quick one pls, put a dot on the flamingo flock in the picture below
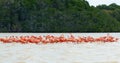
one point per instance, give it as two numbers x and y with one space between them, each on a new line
56 39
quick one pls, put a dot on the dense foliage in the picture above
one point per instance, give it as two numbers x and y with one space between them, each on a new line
57 16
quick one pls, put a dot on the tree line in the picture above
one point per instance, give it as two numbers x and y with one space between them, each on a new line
58 16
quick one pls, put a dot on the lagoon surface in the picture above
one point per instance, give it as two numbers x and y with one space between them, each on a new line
60 52
58 34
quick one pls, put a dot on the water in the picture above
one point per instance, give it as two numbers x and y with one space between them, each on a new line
58 34
60 52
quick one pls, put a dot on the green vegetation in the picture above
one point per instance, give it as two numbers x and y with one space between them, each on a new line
58 16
